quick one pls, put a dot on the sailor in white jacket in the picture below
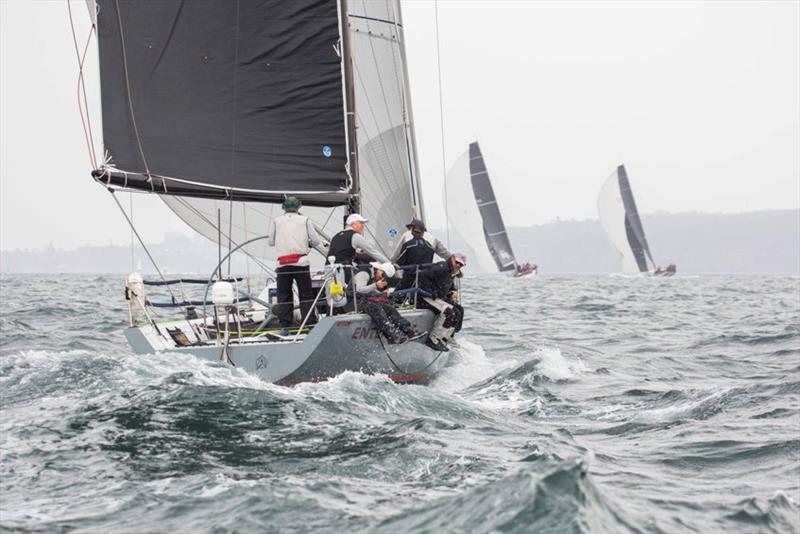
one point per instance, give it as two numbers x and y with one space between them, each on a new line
293 235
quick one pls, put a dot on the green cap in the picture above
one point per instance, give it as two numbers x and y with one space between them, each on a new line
292 204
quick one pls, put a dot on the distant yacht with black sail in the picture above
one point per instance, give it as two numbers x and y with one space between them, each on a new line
623 226
471 199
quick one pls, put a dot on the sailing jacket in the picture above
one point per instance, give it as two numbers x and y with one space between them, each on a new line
293 235
343 248
437 280
401 257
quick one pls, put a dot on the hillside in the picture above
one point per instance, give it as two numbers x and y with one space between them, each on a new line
742 243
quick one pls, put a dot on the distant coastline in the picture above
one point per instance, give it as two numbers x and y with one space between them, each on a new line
758 242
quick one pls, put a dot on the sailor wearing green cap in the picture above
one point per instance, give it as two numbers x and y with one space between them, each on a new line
293 235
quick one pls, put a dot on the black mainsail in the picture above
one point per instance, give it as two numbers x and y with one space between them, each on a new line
621 222
214 99
494 230
223 107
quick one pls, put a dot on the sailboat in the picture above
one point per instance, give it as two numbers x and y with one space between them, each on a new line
222 109
472 203
620 220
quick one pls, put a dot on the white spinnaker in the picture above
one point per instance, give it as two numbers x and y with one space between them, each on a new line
386 157
247 220
611 211
465 219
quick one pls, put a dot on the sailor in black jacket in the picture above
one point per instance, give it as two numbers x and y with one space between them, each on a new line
416 247
438 280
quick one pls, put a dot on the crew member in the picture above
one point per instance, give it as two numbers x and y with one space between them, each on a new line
344 244
438 281
373 299
416 247
293 235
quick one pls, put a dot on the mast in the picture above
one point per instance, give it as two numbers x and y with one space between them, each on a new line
354 204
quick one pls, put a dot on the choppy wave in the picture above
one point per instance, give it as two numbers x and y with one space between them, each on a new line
573 405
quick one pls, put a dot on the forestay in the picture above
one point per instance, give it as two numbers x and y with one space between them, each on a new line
620 220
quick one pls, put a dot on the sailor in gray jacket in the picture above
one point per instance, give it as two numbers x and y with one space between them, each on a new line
293 235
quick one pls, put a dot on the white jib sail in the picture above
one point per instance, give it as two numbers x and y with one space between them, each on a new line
465 219
611 211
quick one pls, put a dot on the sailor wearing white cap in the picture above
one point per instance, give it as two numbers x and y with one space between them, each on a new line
344 244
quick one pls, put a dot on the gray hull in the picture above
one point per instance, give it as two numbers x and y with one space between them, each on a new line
335 345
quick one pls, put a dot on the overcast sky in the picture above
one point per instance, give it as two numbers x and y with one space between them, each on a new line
701 101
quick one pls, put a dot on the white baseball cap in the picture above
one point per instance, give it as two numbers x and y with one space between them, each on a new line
387 268
354 218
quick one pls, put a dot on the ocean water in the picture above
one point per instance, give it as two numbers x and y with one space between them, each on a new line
576 404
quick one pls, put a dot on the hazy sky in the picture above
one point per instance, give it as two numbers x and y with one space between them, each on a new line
701 101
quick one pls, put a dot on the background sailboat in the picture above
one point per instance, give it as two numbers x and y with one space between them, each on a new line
473 211
620 220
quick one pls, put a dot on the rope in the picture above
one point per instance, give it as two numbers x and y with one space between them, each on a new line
85 122
233 132
397 367
133 254
441 123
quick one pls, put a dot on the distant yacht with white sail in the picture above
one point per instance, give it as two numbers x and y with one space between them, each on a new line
473 211
620 220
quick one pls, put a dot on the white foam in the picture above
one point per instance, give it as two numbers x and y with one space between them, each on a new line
136 370
555 366
680 410
466 366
